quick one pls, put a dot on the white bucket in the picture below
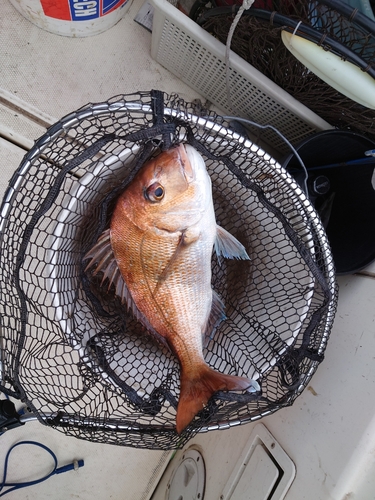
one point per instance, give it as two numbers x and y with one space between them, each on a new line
75 18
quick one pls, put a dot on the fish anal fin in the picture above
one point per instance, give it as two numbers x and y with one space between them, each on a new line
228 246
217 315
196 391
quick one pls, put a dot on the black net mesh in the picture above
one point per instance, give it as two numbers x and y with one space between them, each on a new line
74 354
331 24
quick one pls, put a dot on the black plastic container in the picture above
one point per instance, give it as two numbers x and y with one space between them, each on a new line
344 195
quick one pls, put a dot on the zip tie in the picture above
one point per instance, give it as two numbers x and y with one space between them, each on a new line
296 28
353 14
322 40
272 17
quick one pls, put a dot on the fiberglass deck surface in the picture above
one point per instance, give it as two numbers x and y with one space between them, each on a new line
328 433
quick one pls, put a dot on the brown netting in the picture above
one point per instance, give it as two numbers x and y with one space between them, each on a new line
258 41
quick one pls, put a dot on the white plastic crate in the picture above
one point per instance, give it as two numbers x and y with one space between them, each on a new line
198 59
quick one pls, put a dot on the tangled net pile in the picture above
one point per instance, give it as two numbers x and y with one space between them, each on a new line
330 23
78 359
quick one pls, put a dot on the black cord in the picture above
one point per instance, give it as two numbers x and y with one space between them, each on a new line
290 25
254 124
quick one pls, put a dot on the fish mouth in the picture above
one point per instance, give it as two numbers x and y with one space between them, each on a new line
187 162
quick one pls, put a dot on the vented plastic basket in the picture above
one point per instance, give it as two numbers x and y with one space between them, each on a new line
198 59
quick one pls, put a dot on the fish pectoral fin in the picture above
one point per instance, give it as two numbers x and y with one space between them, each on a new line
217 315
228 246
190 235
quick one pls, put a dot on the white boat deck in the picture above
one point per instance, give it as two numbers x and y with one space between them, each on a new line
329 433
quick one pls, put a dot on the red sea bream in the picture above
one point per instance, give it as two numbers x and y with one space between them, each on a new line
157 253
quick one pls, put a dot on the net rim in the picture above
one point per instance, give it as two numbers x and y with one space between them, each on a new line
222 132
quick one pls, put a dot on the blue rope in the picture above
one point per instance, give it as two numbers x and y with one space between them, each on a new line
56 470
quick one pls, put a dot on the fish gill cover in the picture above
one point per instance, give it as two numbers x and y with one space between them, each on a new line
70 349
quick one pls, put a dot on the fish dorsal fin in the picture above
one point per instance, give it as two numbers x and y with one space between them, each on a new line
217 315
101 255
226 245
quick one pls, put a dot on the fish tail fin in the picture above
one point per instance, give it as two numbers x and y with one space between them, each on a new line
195 392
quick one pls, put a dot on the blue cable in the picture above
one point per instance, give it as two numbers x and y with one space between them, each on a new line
56 470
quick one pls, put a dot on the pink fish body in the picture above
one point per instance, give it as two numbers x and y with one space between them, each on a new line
162 234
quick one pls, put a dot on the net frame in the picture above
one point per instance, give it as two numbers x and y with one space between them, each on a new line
62 343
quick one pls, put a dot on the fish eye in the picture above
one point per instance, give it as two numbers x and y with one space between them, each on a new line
155 192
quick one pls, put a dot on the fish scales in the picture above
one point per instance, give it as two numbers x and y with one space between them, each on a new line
169 278
162 234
